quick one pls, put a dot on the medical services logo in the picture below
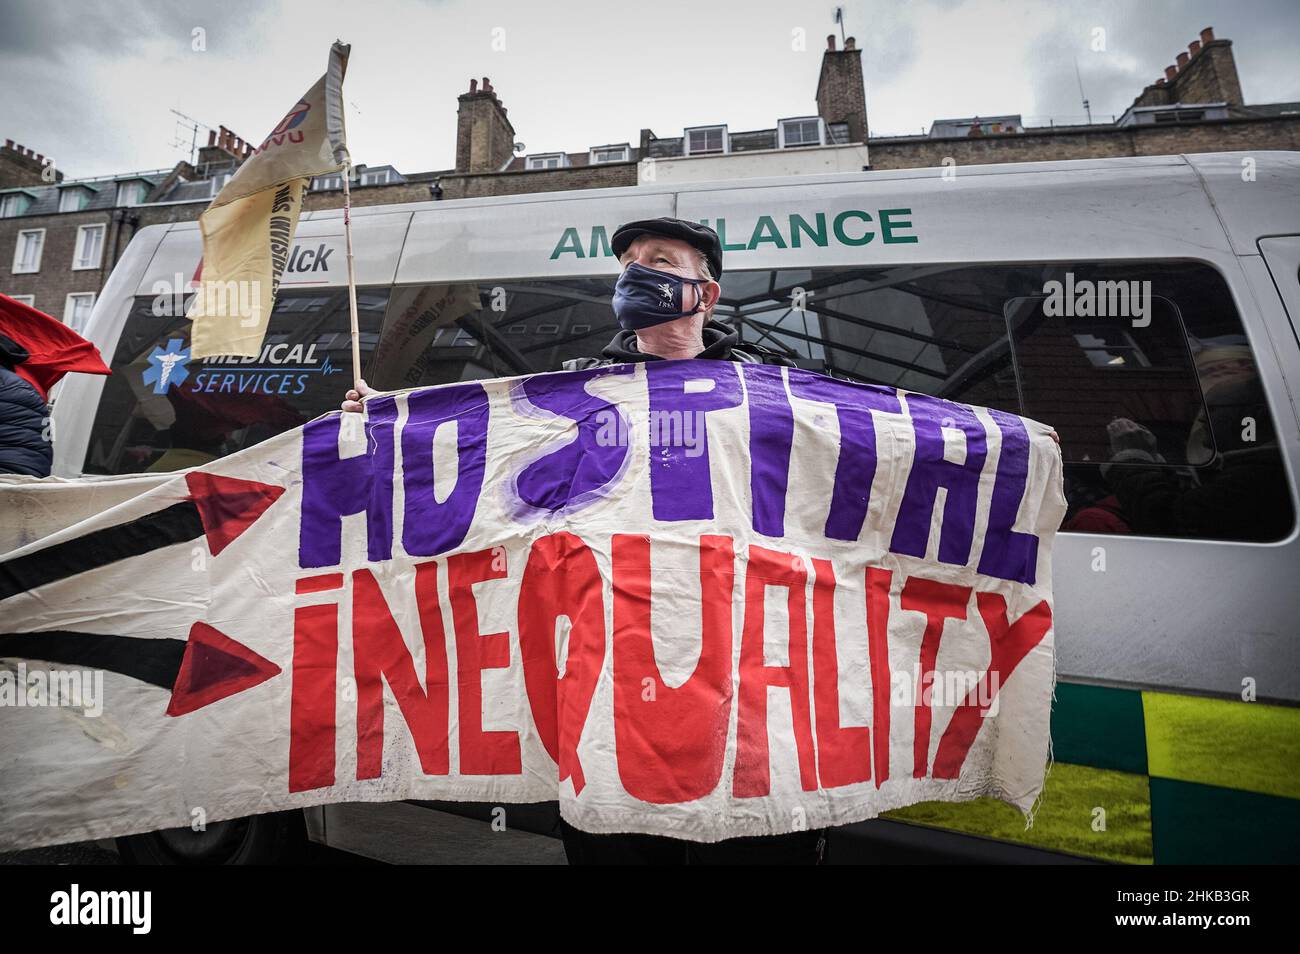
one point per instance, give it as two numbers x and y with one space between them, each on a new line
167 367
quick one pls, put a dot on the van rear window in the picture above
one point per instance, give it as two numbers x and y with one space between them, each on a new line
1144 370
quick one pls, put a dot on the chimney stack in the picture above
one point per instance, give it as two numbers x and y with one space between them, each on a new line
20 166
485 140
841 94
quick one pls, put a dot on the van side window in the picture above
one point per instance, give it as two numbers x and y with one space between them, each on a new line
1144 370
162 411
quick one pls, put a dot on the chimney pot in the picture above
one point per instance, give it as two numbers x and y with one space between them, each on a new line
39 157
851 43
1194 47
473 86
212 137
1182 60
1207 35
830 42
9 143
1161 81
1171 72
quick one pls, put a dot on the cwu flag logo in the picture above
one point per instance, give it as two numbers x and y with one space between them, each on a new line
167 367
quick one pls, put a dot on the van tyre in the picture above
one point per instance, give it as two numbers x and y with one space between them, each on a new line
275 838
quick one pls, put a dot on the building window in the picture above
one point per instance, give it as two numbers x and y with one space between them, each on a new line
28 300
325 183
76 312
377 177
219 181
609 154
27 253
73 200
13 204
703 140
130 193
90 247
550 160
805 131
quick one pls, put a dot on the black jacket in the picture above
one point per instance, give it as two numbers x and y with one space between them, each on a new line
24 417
721 343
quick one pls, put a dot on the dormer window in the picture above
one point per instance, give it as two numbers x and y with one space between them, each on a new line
219 181
374 177
802 131
617 153
73 198
547 160
706 140
130 193
14 204
325 183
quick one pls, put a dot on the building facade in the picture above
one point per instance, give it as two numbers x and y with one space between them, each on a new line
59 238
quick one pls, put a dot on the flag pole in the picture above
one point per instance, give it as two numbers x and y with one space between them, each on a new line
352 277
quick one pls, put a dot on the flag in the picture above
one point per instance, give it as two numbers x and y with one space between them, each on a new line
248 228
53 348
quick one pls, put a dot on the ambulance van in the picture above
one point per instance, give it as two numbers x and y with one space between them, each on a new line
1147 308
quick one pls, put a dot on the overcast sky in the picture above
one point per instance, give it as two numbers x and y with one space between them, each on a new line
92 83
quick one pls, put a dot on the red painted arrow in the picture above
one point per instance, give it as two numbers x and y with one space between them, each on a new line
214 667
227 505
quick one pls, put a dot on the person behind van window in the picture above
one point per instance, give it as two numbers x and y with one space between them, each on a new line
24 445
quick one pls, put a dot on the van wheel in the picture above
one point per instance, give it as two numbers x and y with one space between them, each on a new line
274 838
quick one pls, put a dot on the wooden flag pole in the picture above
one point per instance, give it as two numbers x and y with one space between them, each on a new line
352 279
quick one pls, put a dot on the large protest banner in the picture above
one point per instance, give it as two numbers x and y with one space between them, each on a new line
689 598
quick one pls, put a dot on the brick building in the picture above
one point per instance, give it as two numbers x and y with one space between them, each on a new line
59 238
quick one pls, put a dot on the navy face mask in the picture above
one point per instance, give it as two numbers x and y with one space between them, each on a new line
646 296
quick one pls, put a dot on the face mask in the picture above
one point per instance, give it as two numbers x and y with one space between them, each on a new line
646 296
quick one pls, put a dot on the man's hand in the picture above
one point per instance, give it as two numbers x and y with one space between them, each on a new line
352 400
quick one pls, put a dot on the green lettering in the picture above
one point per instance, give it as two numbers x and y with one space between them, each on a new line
838 226
765 230
887 227
569 242
798 224
599 243
722 237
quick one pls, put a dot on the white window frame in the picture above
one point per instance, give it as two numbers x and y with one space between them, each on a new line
624 148
686 141
18 249
532 162
780 132
219 181
80 264
17 199
82 196
329 182
376 177
139 193
68 309
28 300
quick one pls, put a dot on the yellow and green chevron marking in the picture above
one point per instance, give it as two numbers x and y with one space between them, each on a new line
1181 780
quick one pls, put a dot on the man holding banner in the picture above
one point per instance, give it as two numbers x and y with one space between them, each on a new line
664 301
